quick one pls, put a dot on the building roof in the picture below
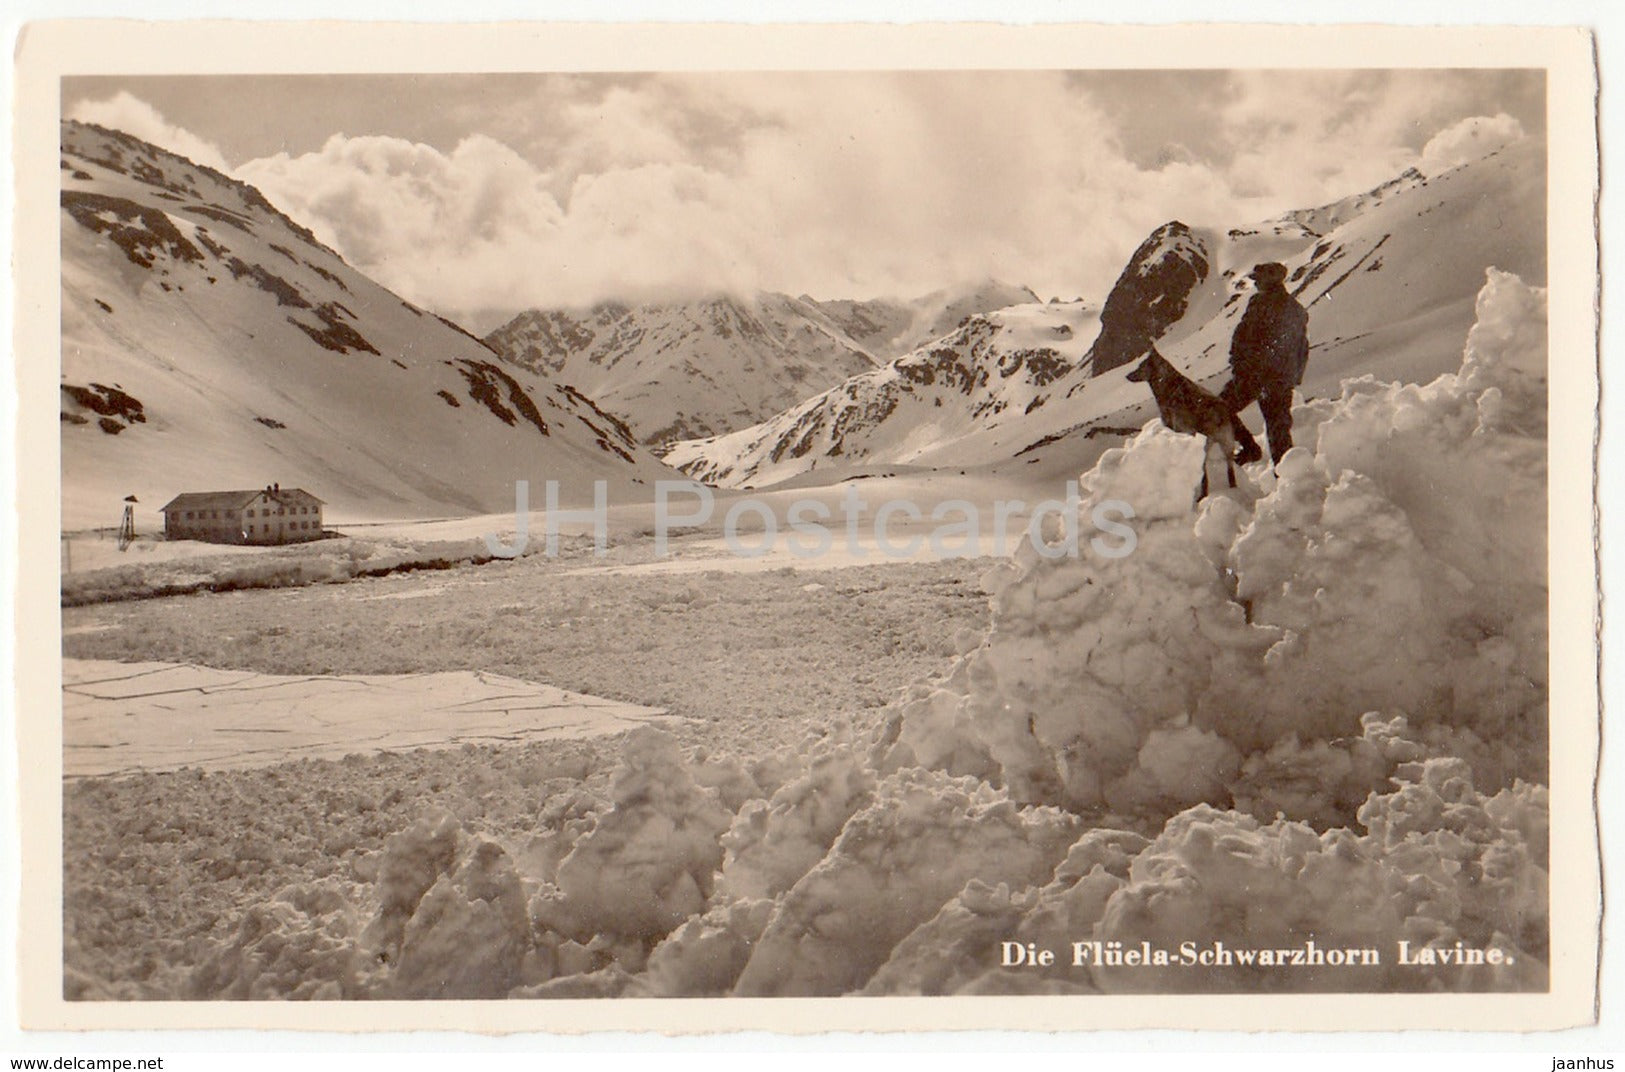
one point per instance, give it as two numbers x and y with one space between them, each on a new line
230 500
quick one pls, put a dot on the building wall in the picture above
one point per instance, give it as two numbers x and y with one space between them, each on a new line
269 521
262 521
213 526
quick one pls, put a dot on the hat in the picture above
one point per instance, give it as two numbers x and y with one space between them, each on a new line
1269 272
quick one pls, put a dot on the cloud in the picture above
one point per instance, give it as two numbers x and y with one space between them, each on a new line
129 113
1470 139
1302 138
854 184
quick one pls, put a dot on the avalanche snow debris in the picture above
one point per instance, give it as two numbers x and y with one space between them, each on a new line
773 843
703 957
1308 718
1395 566
301 943
468 936
896 863
650 861
952 949
1442 863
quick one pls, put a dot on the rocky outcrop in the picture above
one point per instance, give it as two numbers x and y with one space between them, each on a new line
1150 295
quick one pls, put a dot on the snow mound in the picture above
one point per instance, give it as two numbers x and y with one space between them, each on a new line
452 918
1442 863
703 957
773 843
469 934
413 861
895 865
650 861
949 952
1395 566
300 944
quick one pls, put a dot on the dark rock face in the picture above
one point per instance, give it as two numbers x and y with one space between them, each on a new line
1150 295
487 384
141 232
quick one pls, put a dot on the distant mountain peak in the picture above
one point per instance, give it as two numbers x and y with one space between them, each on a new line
721 361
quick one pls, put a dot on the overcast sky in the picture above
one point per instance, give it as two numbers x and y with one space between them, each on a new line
478 195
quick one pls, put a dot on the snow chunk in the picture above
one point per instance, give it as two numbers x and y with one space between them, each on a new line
1482 862
894 866
773 843
1441 864
650 861
955 947
470 933
703 957
413 861
302 943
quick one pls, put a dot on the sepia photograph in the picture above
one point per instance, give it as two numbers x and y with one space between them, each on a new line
1097 531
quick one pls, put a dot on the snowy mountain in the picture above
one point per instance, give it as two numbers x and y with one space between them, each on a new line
690 369
889 328
686 369
1388 276
933 315
992 370
210 342
1390 282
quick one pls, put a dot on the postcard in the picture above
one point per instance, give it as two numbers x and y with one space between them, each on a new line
1027 528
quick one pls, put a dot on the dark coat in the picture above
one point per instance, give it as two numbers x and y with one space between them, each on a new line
1271 344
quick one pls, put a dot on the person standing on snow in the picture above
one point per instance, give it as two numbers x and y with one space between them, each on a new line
1267 357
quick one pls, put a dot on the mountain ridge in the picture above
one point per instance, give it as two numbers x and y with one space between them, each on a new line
706 366
1390 286
209 340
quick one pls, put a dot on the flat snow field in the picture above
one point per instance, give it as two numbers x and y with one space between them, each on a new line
122 718
748 663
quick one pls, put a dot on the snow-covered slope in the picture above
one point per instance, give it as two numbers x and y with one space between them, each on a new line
210 342
995 368
931 316
1389 277
690 369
